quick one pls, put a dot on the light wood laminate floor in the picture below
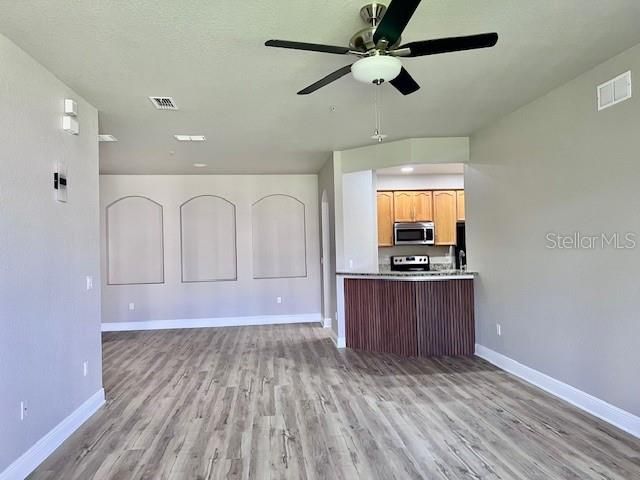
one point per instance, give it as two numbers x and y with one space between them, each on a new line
278 402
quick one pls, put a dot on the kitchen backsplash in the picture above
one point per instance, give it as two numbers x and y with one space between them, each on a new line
438 255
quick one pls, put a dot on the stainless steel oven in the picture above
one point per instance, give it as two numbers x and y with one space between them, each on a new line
414 233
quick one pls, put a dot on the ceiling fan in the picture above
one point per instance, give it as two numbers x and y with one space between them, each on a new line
379 46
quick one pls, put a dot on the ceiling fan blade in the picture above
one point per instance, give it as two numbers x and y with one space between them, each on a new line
405 83
453 44
395 20
311 47
332 77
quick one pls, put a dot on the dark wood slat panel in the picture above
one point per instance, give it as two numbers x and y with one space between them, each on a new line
380 316
445 320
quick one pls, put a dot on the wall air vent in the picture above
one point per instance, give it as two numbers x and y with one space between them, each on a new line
163 103
614 91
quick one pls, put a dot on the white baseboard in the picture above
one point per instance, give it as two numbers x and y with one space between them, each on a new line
590 404
44 447
339 341
212 322
327 323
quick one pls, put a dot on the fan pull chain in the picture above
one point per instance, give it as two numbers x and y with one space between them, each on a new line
377 133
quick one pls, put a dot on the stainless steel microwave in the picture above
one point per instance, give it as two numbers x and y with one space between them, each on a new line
414 233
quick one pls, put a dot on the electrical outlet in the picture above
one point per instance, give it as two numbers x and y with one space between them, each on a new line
278 299
23 410
85 368
132 306
89 282
499 329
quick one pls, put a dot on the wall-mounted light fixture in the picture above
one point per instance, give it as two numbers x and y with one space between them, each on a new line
70 125
69 120
70 107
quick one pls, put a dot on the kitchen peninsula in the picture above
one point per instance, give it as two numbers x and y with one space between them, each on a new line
410 314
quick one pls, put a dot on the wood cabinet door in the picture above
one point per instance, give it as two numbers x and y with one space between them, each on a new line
444 216
422 206
403 206
385 219
460 205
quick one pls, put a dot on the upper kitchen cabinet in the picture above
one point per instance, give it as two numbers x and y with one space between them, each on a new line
422 206
413 206
403 206
385 219
445 216
460 205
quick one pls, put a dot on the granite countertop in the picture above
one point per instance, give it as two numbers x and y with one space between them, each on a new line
432 275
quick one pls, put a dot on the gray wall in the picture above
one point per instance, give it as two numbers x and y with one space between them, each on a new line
49 322
557 165
246 296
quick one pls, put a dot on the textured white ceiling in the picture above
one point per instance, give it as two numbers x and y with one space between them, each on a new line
209 56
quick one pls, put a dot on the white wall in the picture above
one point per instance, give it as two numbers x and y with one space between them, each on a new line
557 165
421 182
49 322
246 296
360 228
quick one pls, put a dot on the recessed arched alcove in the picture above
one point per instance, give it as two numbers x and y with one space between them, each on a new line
208 239
135 245
279 237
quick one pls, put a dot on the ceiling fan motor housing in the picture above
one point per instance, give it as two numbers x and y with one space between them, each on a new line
376 69
371 14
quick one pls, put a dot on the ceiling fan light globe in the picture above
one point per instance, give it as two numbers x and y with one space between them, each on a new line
376 69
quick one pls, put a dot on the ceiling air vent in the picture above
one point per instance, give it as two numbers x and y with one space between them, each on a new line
614 91
163 103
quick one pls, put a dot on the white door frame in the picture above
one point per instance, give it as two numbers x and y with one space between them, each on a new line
325 226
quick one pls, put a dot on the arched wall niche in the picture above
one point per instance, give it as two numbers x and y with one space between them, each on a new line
135 243
279 237
208 239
